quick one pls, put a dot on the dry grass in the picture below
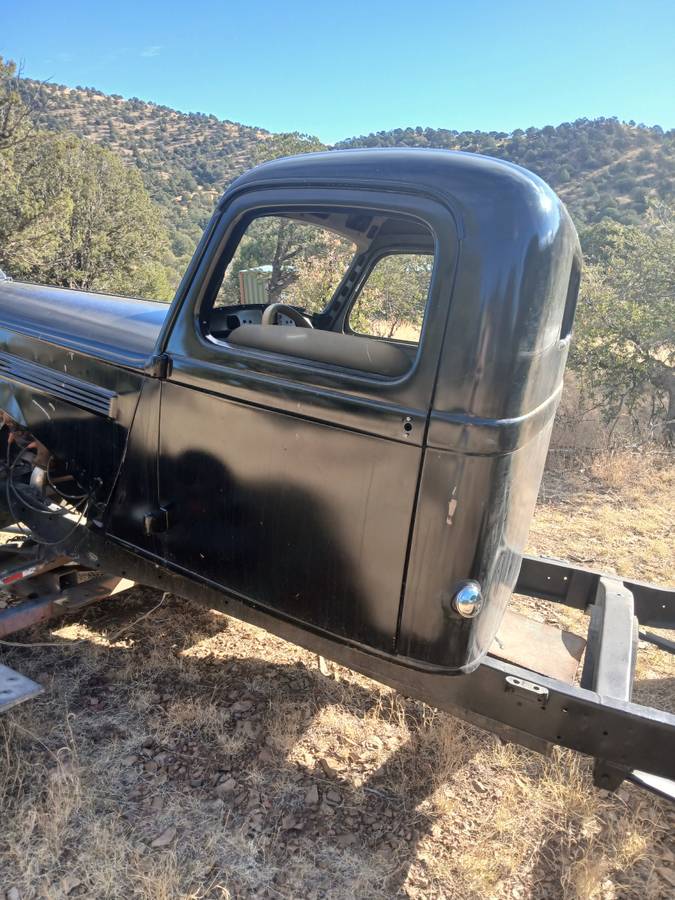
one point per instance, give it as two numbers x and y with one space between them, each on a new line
268 779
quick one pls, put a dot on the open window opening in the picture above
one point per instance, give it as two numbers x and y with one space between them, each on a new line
344 288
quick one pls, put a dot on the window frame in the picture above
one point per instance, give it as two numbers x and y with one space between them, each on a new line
206 303
205 363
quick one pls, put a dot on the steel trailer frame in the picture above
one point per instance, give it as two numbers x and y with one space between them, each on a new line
596 717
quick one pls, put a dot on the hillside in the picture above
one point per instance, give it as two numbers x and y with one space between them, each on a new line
601 168
186 159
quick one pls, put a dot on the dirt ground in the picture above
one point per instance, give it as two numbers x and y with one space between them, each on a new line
195 756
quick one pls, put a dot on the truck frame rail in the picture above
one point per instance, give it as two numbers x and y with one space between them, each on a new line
596 717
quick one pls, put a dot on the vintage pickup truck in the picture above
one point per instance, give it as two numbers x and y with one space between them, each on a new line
337 431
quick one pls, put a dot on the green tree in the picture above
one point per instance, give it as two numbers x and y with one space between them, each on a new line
33 199
319 272
71 213
624 346
15 125
34 206
302 262
394 297
114 239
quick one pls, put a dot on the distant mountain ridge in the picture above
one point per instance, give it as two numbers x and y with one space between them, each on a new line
600 167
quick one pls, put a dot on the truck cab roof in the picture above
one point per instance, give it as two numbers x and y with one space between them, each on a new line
453 176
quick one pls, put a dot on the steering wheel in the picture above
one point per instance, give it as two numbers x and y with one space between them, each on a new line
270 315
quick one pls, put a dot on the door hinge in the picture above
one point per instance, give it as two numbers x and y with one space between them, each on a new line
157 521
159 366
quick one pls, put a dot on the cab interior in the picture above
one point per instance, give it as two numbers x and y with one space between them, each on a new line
345 288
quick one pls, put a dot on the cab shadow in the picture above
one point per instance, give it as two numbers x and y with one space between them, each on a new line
358 809
361 812
280 543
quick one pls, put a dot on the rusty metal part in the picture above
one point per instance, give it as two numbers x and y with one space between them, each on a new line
538 646
29 569
49 606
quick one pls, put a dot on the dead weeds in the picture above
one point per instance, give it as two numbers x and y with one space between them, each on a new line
198 757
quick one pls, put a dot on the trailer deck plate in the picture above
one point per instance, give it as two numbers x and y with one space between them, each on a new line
15 688
538 646
662 787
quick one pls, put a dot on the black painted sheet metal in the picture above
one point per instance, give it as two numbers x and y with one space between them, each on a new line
119 330
471 522
302 516
382 417
488 437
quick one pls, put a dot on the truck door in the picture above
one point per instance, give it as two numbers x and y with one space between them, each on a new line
290 455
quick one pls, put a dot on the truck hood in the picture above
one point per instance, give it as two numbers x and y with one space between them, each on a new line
115 329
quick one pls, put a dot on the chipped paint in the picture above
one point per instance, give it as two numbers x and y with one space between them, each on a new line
452 507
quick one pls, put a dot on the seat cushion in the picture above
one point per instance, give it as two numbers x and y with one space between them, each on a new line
376 357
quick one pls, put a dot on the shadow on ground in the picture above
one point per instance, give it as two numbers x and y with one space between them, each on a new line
259 770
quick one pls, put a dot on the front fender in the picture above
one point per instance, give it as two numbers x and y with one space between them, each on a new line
80 409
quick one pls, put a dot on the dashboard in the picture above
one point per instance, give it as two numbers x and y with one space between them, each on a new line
224 319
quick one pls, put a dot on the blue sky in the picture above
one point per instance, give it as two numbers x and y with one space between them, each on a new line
347 68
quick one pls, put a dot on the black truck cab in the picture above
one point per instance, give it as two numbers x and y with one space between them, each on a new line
356 480
336 430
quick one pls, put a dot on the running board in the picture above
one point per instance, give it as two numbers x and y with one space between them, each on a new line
15 688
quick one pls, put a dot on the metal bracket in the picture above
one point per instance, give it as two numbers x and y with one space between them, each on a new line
159 366
59 600
157 522
612 642
527 691
611 654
